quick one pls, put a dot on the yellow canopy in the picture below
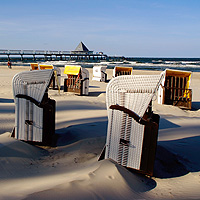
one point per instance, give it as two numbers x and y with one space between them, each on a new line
46 67
180 74
72 70
124 69
34 66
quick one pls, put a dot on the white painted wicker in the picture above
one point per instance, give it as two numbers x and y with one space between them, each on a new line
135 93
99 73
85 78
31 84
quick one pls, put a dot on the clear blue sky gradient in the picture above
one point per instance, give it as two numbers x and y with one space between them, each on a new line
135 28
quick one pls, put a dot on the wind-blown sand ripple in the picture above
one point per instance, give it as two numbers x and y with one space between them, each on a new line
70 169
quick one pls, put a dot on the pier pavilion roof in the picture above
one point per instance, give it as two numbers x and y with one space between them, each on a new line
81 48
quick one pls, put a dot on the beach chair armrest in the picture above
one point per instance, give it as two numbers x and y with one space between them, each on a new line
132 114
23 96
103 72
84 79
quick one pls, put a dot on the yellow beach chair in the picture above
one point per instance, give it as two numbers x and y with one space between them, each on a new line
34 66
77 81
43 67
118 71
175 89
57 74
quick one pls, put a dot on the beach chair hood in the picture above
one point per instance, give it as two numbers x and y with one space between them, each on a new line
138 89
32 83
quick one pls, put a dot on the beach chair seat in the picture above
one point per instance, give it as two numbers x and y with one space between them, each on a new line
132 126
175 89
99 73
34 111
119 71
77 81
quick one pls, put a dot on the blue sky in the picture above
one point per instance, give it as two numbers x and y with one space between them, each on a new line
136 28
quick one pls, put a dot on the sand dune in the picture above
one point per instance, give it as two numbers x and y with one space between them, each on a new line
70 170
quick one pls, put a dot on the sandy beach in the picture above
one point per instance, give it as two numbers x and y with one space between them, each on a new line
71 169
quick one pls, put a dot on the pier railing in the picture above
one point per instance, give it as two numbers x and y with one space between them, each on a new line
59 54
32 52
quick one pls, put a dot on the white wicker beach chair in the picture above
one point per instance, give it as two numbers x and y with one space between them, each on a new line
34 111
132 127
99 73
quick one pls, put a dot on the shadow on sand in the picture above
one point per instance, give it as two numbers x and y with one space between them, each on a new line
177 157
3 100
174 158
96 94
78 132
195 106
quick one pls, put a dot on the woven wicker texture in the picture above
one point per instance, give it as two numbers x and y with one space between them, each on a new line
135 93
32 83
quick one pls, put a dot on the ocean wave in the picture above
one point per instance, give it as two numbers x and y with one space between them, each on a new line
137 63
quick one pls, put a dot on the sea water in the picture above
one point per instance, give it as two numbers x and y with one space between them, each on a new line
188 64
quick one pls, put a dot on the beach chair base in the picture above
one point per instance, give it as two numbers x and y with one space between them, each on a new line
148 146
71 86
48 123
178 97
175 89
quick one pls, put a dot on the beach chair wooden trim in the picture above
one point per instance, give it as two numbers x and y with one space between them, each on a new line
131 114
23 96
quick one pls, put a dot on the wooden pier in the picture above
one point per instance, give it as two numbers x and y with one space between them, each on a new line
48 55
